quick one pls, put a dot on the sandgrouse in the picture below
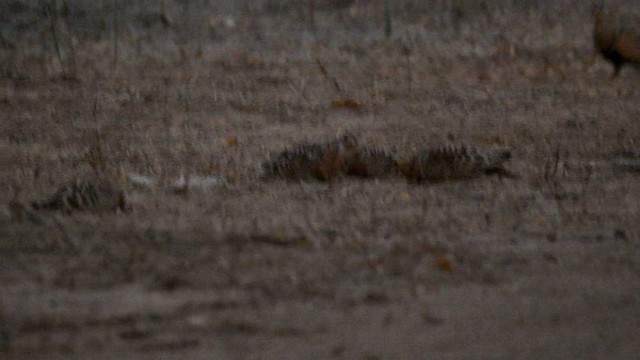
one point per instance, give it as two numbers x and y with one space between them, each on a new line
318 161
22 214
617 37
371 162
94 195
455 162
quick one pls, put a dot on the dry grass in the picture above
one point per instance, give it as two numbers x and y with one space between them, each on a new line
546 265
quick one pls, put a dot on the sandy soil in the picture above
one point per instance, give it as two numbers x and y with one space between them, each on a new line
544 266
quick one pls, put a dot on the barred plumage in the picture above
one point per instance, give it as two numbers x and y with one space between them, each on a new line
454 162
617 37
311 161
97 195
371 162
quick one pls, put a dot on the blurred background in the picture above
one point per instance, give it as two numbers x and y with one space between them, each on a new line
49 37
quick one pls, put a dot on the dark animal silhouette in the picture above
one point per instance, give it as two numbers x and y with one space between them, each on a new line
96 195
320 161
371 162
617 37
455 162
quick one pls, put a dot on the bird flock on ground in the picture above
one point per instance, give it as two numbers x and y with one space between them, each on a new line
616 37
344 157
323 162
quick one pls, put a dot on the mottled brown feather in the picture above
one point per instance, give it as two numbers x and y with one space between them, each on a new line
95 195
455 162
322 161
371 162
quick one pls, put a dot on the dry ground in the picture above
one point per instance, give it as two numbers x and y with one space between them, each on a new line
545 266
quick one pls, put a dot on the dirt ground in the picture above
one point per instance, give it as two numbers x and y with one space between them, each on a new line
540 267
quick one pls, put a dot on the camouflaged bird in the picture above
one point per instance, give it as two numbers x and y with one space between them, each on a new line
93 195
617 37
455 162
371 162
23 214
322 161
